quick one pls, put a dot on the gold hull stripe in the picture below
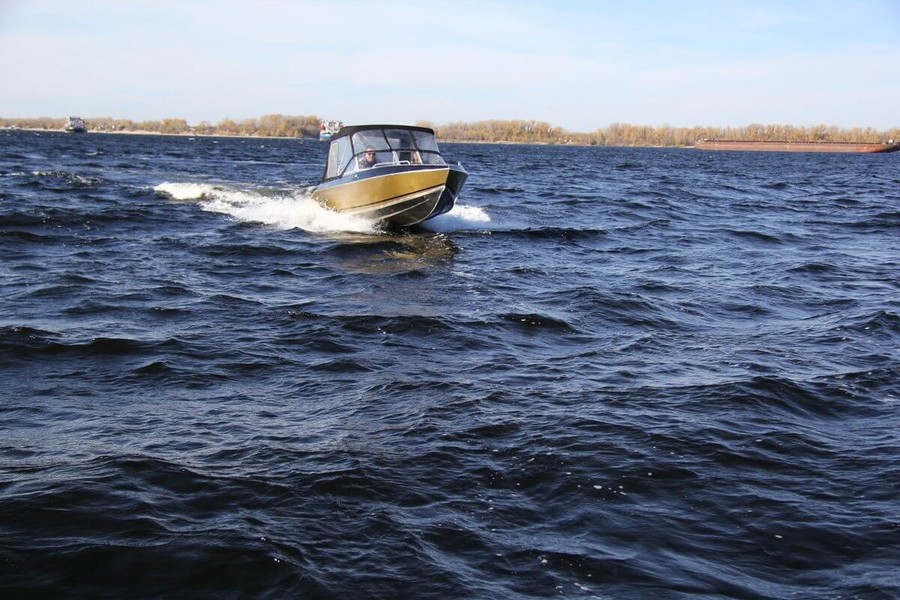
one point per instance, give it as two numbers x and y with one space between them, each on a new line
373 193
402 202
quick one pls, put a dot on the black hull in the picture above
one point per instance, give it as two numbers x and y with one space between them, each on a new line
455 181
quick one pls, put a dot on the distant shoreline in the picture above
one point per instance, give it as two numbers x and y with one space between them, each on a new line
273 137
158 133
517 132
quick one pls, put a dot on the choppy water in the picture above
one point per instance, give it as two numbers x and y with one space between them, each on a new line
609 373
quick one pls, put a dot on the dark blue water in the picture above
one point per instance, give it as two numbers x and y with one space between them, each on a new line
610 373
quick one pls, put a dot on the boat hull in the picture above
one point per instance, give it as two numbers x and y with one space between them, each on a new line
400 196
844 147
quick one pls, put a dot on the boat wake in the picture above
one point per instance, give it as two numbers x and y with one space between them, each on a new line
285 209
296 209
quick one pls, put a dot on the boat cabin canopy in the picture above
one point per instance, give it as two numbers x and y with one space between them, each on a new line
393 145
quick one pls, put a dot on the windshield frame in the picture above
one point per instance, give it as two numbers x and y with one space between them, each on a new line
394 145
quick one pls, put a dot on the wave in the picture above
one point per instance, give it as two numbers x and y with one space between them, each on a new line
69 179
500 190
565 234
537 320
814 267
27 342
26 236
881 321
755 236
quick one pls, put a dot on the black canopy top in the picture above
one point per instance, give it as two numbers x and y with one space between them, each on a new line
351 129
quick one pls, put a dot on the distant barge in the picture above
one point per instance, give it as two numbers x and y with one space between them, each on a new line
870 148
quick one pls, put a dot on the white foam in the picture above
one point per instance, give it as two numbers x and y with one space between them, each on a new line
186 191
461 217
289 210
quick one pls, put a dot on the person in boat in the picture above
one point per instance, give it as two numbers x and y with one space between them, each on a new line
411 155
368 160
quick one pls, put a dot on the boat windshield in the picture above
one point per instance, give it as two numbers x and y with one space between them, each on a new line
391 146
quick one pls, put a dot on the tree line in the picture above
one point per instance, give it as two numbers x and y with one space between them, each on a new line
266 126
624 134
497 131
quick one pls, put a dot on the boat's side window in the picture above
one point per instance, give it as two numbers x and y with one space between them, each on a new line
432 158
369 139
406 150
340 158
425 141
428 148
374 141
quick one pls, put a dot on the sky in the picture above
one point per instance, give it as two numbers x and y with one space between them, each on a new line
579 65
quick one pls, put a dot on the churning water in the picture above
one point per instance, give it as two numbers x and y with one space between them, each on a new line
608 373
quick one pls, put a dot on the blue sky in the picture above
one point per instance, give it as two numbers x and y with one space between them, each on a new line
577 65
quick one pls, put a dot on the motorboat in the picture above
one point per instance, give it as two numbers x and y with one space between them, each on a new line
389 173
75 125
327 129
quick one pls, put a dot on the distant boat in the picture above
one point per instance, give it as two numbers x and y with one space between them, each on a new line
784 146
327 129
76 125
390 173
